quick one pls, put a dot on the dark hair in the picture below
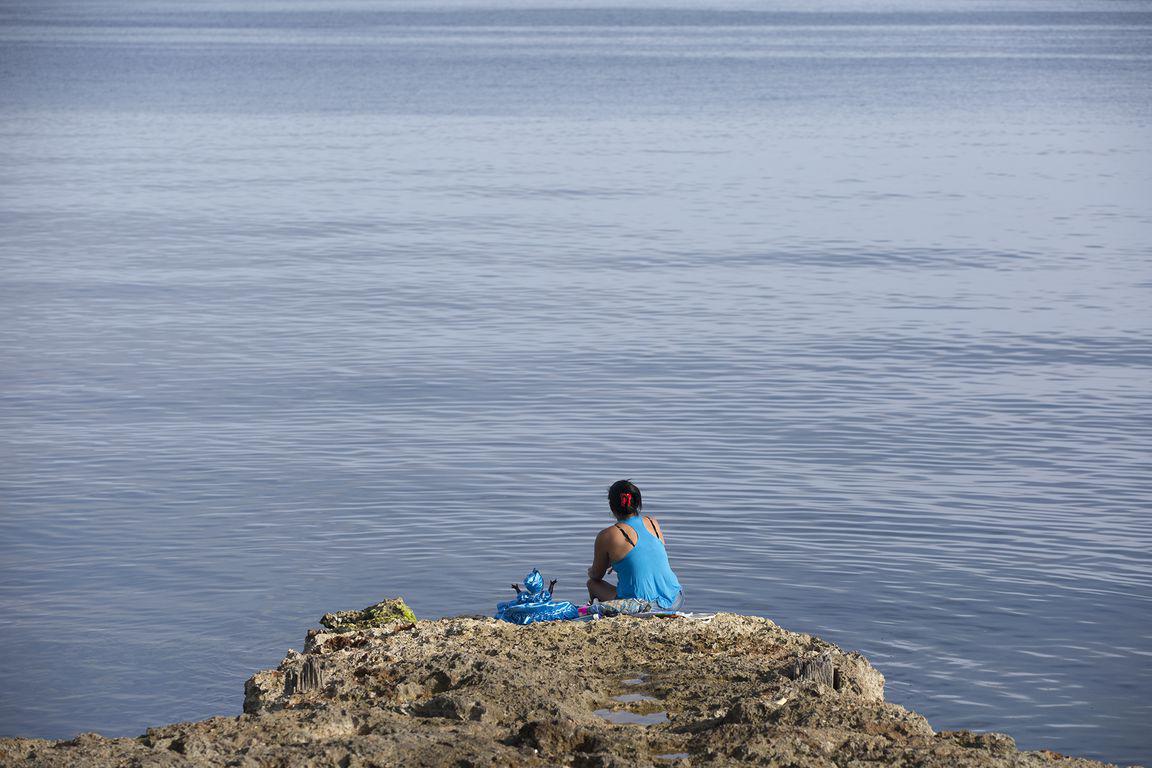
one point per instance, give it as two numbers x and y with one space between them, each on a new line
624 498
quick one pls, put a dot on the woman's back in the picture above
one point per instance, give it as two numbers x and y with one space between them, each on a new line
644 572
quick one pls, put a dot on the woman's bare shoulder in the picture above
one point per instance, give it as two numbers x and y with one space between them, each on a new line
654 526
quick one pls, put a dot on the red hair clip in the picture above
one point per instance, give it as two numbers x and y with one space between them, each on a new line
625 501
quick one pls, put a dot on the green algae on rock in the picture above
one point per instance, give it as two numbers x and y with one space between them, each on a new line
381 614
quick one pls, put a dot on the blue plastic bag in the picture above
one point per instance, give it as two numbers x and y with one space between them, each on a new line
535 604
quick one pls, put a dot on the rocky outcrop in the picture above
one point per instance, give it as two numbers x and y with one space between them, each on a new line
382 614
733 690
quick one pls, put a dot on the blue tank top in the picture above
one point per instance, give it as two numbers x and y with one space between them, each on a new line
644 572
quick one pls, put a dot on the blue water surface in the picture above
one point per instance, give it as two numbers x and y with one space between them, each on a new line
307 304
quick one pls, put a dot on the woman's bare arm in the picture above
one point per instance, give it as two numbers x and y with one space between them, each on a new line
600 560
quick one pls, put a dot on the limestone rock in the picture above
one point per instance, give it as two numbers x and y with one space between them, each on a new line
736 690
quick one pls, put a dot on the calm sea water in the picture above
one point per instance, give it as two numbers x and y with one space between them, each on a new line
304 305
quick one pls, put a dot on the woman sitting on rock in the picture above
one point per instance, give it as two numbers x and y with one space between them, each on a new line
634 548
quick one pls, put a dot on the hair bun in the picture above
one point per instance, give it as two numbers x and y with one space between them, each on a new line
624 498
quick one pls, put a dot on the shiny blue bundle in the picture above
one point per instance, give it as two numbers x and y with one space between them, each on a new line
627 606
535 604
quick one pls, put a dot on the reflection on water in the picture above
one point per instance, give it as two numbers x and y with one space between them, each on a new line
624 717
300 315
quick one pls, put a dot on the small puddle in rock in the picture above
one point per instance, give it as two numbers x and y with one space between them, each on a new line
634 681
628 698
631 718
673 756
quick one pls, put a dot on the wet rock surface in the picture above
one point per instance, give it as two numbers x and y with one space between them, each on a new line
733 690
